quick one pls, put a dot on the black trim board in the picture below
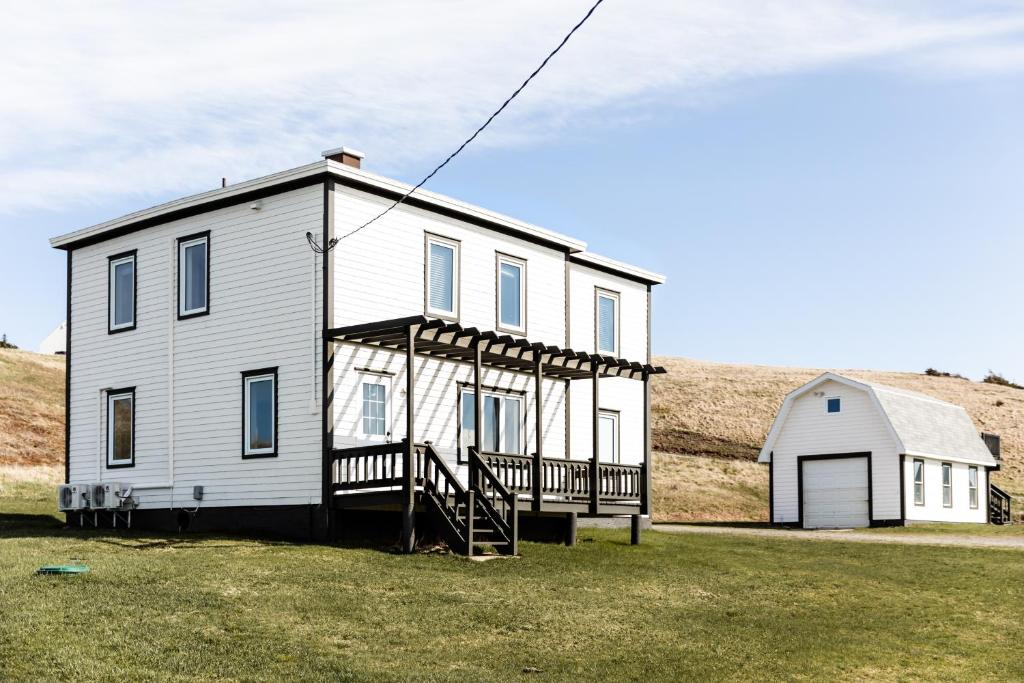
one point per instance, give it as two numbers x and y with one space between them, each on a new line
106 454
177 256
67 378
257 373
612 271
327 362
830 456
771 488
903 485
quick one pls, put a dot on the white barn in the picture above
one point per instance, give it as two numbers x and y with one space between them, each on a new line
850 453
56 341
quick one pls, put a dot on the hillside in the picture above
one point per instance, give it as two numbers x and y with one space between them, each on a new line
31 408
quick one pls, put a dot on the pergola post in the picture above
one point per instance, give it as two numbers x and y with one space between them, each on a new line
538 456
409 468
596 462
478 407
645 485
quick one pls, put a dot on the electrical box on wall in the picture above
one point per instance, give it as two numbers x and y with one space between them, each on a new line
197 492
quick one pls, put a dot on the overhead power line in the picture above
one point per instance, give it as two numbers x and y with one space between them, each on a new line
333 242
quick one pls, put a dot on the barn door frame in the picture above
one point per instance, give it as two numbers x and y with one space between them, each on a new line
801 459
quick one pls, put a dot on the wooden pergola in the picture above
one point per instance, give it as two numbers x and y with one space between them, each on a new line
441 339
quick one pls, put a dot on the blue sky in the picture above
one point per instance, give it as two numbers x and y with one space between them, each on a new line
830 188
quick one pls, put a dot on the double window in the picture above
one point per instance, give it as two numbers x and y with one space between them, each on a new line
947 485
259 413
121 283
376 396
442 277
511 300
194 275
918 482
121 427
607 321
972 486
503 422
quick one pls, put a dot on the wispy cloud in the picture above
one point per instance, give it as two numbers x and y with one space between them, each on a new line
108 99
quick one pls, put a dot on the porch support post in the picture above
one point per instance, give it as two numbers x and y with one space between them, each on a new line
570 529
478 407
645 484
538 456
596 461
634 529
409 467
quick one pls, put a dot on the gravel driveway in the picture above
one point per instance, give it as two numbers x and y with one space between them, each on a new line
853 535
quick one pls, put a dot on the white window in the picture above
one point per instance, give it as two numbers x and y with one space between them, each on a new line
121 428
947 485
376 396
607 322
442 281
918 482
121 294
193 275
833 404
608 436
503 422
259 411
511 294
972 486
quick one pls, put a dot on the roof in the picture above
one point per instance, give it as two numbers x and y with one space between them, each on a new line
452 341
921 424
349 176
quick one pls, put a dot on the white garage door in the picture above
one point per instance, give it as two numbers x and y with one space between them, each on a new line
836 493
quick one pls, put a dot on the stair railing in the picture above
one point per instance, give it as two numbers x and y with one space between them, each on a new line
999 505
440 485
499 503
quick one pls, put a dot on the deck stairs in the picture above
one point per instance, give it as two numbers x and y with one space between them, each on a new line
999 509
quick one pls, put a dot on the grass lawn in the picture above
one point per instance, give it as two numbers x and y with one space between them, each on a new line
1008 530
677 607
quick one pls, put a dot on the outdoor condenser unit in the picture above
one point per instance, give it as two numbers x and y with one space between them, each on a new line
71 497
106 495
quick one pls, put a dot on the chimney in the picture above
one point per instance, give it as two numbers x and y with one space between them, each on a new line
345 155
992 441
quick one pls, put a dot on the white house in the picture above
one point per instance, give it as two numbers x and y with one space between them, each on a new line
55 341
224 374
849 453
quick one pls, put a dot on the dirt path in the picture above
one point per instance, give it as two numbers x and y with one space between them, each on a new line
852 535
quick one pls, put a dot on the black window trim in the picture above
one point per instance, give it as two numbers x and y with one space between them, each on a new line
258 373
914 480
112 393
944 487
977 484
205 234
134 255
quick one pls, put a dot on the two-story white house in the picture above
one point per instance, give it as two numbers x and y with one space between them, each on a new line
446 370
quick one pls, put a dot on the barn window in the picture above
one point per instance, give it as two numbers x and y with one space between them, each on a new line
947 485
193 275
972 486
121 294
259 413
121 427
918 482
833 404
442 277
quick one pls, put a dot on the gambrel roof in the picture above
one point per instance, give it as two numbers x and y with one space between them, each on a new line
922 425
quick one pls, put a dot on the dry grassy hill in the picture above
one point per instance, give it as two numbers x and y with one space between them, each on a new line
709 420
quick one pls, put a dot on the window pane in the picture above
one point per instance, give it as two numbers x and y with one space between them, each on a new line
195 277
442 278
947 485
468 421
606 324
374 404
919 482
124 300
513 423
261 414
492 436
608 441
833 405
122 437
511 302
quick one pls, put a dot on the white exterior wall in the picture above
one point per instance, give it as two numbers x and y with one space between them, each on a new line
615 393
859 427
933 510
265 310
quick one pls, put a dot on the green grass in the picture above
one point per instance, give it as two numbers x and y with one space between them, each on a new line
951 529
677 607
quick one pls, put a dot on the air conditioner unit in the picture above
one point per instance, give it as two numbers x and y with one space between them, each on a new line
71 497
106 495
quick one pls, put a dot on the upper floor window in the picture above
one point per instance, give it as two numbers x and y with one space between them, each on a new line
121 292
918 482
376 395
833 404
607 320
947 485
121 427
193 275
259 413
972 486
511 294
442 277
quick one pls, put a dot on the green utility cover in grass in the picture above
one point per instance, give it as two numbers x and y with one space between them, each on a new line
63 569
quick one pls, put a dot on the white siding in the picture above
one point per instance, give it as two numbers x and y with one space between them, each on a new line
623 395
859 427
933 510
264 311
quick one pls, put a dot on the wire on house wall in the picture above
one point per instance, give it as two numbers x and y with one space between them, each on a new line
333 242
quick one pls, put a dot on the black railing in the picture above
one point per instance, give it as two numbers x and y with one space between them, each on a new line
999 506
500 503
